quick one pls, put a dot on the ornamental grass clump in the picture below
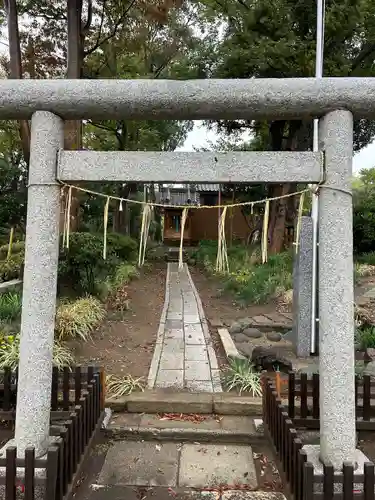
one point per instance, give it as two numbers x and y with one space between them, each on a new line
10 307
242 376
10 350
76 320
122 386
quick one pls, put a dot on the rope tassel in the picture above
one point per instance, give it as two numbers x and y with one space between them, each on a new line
222 264
265 232
299 221
183 222
106 208
145 228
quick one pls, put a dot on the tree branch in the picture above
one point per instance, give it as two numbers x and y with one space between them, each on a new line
112 34
364 54
87 25
103 127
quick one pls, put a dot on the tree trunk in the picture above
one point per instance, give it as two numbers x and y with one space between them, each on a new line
72 128
279 209
15 68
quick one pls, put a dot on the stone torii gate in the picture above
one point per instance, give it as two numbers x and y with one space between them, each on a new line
48 103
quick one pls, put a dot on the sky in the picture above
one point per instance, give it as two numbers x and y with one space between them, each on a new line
201 137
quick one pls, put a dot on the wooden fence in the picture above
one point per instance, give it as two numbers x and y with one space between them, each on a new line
303 401
299 473
76 415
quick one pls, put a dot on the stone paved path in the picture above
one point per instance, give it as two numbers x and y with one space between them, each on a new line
184 357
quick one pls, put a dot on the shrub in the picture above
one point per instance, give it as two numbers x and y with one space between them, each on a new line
17 247
123 246
12 268
79 318
124 273
249 279
365 336
10 306
9 353
242 376
82 265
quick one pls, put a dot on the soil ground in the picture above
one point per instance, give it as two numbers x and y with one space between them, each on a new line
124 343
221 306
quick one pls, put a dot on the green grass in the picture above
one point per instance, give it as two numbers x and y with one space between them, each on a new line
250 280
10 307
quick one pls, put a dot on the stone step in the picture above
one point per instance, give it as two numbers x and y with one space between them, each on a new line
103 492
165 401
185 428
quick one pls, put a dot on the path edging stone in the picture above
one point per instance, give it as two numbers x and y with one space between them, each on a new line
181 434
231 351
160 336
187 402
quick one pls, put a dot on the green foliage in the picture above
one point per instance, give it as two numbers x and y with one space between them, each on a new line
367 258
268 39
82 265
10 307
77 319
124 273
249 280
364 214
124 247
365 337
241 375
17 247
12 268
10 349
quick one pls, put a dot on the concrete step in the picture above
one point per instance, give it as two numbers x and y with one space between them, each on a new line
162 401
185 428
102 492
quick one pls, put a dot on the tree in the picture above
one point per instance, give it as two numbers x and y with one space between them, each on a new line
108 39
364 212
269 39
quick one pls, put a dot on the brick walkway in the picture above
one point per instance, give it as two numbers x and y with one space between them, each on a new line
184 357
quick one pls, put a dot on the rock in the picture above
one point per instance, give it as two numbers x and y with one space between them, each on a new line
267 358
252 333
216 322
240 338
245 322
235 328
370 354
289 335
274 336
246 349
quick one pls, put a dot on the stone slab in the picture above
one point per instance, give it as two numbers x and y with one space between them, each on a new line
252 495
175 333
171 361
140 464
209 465
229 346
194 335
159 401
170 378
197 370
196 353
158 422
230 404
191 319
99 492
199 385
